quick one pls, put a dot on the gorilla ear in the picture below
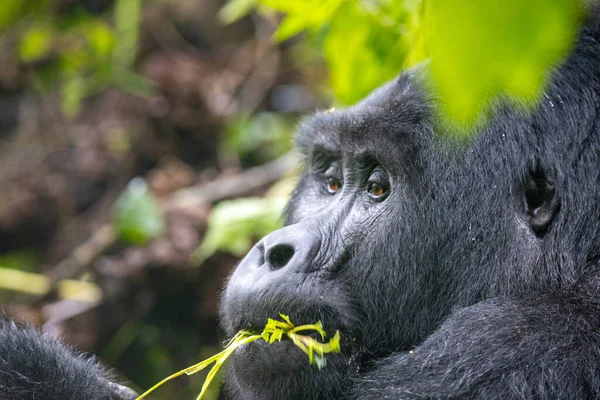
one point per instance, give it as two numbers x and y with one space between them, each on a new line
541 201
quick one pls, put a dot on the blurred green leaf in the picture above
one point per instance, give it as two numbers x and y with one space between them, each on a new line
73 91
302 15
133 83
137 218
235 10
362 53
10 10
23 260
87 54
35 44
363 41
100 38
321 8
127 26
260 138
480 50
234 225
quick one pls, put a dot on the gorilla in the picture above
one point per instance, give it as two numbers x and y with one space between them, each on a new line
451 269
34 366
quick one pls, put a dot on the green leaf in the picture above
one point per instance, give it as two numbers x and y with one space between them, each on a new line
35 44
301 15
478 51
234 225
10 11
73 90
23 260
292 25
291 7
482 50
235 10
133 83
127 25
137 218
100 38
362 54
259 138
274 331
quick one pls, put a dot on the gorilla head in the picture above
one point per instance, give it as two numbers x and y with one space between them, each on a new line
393 225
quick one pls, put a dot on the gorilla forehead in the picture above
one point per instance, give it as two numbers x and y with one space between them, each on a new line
371 126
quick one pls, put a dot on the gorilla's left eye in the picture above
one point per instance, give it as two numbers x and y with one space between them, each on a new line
333 175
378 185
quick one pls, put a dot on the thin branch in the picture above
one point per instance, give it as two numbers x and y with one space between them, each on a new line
83 255
232 186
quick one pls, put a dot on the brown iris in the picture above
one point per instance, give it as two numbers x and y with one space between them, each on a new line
333 185
376 190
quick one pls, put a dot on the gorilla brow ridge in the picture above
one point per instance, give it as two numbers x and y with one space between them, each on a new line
320 129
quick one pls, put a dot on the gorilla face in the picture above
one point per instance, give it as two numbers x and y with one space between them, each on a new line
389 229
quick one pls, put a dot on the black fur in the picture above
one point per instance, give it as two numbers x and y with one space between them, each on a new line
36 366
476 277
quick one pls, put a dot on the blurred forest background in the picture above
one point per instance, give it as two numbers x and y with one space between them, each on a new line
145 145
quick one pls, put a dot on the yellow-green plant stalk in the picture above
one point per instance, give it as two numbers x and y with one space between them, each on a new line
274 331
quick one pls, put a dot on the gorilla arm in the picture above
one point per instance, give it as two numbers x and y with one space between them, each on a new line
38 366
545 346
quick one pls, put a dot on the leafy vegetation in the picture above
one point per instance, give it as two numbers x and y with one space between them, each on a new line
77 52
274 332
234 225
477 51
259 138
137 218
481 51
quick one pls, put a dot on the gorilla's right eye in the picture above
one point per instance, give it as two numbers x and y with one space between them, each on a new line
333 185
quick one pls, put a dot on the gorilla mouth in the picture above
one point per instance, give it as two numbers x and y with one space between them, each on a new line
286 348
285 351
330 329
285 358
299 314
282 353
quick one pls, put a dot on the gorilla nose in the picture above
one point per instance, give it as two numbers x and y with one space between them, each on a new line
289 249
278 263
280 259
293 247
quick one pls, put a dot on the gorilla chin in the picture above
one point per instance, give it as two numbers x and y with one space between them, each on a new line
281 370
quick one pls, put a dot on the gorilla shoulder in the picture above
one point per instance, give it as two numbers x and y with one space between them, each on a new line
37 366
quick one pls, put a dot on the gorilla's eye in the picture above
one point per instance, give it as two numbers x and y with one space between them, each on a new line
376 190
333 174
333 185
378 186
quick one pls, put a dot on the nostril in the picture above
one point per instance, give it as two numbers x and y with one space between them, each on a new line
279 255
